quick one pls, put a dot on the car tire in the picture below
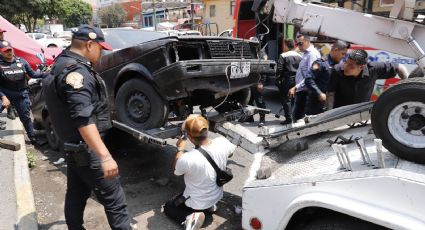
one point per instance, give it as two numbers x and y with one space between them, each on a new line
398 118
242 97
52 138
416 73
340 222
140 106
52 46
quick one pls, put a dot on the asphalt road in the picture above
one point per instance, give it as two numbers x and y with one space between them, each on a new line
147 179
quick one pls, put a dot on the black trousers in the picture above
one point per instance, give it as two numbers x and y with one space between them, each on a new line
299 107
313 105
258 98
177 210
82 180
287 104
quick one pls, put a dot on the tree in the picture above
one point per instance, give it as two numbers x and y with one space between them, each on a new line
70 12
23 11
112 16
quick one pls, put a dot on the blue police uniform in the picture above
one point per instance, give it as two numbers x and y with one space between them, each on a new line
76 96
13 85
317 81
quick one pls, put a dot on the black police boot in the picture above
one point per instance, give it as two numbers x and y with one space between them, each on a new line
246 119
287 121
11 113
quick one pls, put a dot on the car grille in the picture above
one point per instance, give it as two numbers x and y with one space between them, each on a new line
222 49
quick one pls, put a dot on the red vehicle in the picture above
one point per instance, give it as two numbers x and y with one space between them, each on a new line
244 19
26 47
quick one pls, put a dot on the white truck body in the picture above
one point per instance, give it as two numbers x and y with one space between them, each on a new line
391 197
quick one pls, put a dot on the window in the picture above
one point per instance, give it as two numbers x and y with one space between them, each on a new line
232 7
212 11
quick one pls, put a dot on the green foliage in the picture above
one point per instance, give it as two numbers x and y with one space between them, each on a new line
72 13
112 16
69 12
31 159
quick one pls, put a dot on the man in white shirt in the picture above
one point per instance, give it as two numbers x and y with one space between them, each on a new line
201 193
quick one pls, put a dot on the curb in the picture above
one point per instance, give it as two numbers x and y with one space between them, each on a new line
26 216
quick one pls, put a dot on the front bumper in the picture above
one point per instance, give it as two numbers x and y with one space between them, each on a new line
181 79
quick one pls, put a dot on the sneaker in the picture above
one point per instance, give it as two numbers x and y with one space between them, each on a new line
212 209
194 221
11 114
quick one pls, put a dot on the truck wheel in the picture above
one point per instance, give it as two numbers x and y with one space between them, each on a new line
340 222
140 106
418 72
398 118
52 138
242 97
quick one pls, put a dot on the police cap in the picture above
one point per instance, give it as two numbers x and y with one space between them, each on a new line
91 33
5 46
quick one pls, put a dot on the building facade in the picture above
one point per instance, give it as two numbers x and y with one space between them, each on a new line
220 12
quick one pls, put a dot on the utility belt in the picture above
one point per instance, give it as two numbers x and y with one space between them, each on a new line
77 153
13 86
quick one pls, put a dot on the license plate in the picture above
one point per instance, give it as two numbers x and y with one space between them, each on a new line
240 69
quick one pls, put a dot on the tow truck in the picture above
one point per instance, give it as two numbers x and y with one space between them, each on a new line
363 180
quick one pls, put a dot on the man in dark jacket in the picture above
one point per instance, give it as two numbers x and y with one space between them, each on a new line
287 66
317 78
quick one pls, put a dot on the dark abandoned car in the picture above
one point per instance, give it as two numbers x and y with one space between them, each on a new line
152 77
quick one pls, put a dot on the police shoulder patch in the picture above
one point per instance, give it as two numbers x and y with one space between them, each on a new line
75 80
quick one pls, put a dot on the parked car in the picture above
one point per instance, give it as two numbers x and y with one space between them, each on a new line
46 40
26 47
150 75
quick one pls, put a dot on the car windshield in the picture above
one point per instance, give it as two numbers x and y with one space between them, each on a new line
123 38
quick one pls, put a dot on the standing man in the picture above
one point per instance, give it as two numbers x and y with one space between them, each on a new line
353 81
201 193
10 110
13 86
77 101
299 91
318 77
287 66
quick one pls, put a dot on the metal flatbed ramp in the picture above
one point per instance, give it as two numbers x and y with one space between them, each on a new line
255 139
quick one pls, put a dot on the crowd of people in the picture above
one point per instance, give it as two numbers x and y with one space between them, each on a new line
310 84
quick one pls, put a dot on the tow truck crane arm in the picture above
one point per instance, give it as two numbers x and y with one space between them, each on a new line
398 116
396 35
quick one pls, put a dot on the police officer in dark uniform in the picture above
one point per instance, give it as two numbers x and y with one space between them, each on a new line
76 98
318 77
10 110
13 85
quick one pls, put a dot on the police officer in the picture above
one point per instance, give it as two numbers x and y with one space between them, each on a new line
10 110
76 98
318 77
13 85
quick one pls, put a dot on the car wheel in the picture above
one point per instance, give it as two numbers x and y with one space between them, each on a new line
52 46
241 97
51 136
340 222
418 72
398 118
140 106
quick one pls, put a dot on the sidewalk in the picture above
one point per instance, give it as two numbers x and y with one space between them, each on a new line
17 209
